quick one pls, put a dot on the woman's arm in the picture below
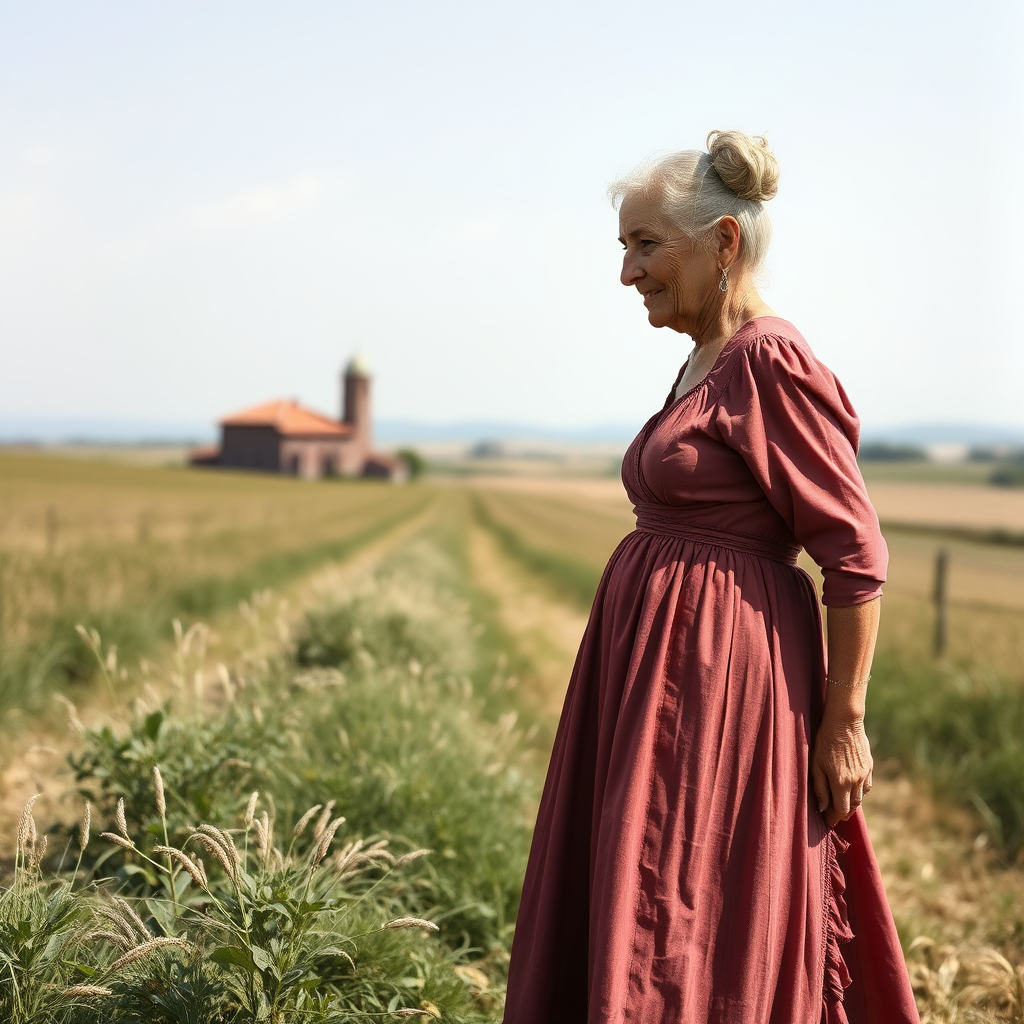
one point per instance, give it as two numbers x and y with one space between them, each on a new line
841 762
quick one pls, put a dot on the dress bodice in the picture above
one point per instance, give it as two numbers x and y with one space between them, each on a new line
765 447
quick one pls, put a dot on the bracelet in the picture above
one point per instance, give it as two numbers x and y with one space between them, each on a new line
848 686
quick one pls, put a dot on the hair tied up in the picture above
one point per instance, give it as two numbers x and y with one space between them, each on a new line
745 164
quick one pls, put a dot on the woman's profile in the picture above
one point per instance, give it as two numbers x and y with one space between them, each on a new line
700 855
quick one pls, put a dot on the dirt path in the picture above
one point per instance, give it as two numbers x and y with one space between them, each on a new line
237 639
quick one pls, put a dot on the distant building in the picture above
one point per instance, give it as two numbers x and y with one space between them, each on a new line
284 437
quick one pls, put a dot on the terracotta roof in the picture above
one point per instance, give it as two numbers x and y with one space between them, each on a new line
286 416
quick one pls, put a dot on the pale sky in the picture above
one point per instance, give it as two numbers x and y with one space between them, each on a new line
205 205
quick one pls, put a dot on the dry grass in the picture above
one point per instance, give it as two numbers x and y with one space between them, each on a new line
83 536
128 548
938 504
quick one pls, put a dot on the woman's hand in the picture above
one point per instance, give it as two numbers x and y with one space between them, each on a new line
840 765
841 759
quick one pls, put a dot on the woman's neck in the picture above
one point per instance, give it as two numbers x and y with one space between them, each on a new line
722 320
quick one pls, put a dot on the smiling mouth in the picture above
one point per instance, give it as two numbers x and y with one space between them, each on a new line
647 295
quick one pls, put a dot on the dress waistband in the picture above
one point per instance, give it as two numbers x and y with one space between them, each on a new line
669 522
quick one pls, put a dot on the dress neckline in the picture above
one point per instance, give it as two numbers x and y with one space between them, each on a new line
673 399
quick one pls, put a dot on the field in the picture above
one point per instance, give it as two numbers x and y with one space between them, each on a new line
403 652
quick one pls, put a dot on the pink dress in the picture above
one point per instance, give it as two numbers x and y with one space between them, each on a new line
680 871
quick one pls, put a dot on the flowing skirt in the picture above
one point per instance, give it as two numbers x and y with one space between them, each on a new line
680 871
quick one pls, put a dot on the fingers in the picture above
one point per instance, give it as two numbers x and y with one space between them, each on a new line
821 788
838 801
841 802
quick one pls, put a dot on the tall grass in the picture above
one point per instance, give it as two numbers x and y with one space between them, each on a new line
961 730
240 928
373 714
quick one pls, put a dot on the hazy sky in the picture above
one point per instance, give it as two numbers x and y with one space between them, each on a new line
208 204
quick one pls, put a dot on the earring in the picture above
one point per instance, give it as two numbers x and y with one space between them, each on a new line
723 285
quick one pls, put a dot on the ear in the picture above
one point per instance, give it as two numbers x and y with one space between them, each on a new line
726 244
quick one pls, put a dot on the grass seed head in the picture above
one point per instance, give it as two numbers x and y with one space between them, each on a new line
38 852
119 818
85 826
126 926
85 992
27 829
326 840
143 951
119 840
158 786
225 839
408 858
410 922
323 820
250 810
300 825
129 912
264 835
218 851
89 636
194 868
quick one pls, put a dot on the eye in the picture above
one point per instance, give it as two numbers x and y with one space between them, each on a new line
647 243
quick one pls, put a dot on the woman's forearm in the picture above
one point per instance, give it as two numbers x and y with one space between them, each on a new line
851 646
841 760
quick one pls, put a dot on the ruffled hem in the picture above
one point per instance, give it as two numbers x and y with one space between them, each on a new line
837 929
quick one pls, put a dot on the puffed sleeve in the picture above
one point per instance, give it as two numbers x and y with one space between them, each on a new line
791 421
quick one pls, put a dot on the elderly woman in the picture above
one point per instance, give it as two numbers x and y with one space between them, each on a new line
700 855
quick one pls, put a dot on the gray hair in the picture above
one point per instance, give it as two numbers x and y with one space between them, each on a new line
696 190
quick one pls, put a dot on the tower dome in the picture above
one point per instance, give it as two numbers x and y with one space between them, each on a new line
357 366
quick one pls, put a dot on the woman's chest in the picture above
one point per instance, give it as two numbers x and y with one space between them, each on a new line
679 459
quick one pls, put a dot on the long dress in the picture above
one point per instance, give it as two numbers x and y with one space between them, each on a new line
680 871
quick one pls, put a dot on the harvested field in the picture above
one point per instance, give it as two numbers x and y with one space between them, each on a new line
421 640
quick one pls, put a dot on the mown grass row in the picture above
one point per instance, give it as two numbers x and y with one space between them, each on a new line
961 728
381 711
574 578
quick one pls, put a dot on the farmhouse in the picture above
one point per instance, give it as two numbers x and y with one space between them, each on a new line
284 437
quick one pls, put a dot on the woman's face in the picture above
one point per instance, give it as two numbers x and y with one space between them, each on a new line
677 277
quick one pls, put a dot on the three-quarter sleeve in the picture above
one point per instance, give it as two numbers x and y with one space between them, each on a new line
789 418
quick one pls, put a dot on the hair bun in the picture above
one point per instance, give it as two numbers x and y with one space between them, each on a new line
745 164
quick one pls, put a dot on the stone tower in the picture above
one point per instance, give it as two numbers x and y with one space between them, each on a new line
356 407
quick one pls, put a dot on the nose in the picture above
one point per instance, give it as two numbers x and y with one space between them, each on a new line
631 272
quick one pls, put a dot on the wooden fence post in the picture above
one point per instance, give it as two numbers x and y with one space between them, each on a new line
941 598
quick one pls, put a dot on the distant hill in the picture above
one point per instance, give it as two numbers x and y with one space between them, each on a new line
88 430
418 431
936 433
64 430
